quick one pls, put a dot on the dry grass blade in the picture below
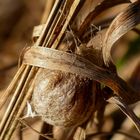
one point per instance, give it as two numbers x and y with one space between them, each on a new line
11 87
71 12
124 22
21 70
13 100
4 123
101 7
130 114
42 135
18 114
78 65
13 111
80 134
57 21
50 19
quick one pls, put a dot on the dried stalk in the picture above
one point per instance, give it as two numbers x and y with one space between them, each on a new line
3 126
10 89
127 126
130 114
80 134
101 7
55 24
50 19
46 58
42 135
21 97
69 16
4 121
19 112
12 103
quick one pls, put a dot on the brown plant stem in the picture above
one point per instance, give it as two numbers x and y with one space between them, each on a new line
13 100
13 107
126 110
23 104
72 63
10 88
24 75
104 5
42 135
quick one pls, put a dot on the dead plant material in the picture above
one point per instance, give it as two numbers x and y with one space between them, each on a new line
124 22
58 77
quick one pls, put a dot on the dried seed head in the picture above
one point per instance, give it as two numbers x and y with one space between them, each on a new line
62 99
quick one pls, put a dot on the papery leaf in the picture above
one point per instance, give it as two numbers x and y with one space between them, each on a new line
123 23
126 110
58 60
101 7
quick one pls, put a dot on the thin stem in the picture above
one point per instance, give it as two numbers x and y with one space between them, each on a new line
23 104
69 16
125 109
14 98
54 25
49 22
10 88
34 130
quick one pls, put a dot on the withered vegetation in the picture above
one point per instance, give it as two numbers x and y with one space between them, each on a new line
74 67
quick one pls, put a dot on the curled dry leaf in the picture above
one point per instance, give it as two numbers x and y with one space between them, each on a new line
123 23
101 7
130 114
76 64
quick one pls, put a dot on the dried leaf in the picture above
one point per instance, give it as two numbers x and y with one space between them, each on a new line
123 23
80 134
124 107
101 7
47 58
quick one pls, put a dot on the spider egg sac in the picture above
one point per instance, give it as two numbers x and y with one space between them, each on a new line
61 98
